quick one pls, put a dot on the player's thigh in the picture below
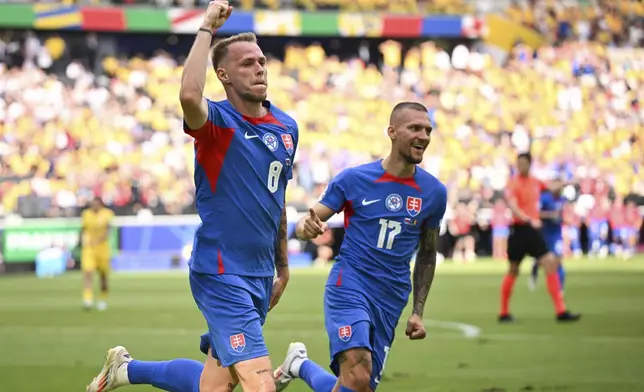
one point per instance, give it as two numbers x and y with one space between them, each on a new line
216 378
347 320
382 337
88 261
255 374
103 262
517 244
234 321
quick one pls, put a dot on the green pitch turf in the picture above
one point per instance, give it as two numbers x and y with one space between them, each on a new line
48 343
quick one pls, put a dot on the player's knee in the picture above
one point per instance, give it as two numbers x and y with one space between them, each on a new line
514 269
355 369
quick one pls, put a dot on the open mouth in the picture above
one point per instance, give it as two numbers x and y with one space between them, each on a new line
418 147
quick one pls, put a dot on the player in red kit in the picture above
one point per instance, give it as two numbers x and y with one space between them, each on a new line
617 220
501 219
633 224
571 236
597 224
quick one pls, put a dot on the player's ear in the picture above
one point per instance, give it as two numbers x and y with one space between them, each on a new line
391 132
222 75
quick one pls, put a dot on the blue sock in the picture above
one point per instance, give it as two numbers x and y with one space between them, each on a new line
178 375
562 275
317 378
344 389
535 269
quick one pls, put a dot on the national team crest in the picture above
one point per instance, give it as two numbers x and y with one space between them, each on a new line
344 333
414 205
394 202
271 141
238 342
288 142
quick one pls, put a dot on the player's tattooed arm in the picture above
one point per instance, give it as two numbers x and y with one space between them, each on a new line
424 269
281 254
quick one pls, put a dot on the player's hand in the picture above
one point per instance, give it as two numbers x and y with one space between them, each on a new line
217 13
279 284
415 328
313 226
536 223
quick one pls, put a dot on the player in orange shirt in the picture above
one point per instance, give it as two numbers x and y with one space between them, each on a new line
95 253
522 196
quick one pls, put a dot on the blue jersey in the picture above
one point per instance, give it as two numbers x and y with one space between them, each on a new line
242 166
383 216
550 202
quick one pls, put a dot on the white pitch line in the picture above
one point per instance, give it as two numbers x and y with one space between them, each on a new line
468 330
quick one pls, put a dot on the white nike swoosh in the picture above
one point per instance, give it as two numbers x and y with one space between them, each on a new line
366 203
247 136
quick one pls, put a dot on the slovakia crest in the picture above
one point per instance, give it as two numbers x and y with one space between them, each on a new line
344 333
238 342
394 202
414 205
271 141
288 142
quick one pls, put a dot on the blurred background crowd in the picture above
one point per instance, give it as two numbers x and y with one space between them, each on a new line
84 115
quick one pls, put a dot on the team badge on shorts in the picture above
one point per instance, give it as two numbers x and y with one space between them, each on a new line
394 202
414 205
344 333
238 342
271 141
288 143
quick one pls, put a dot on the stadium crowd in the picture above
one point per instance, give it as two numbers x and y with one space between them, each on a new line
609 22
69 131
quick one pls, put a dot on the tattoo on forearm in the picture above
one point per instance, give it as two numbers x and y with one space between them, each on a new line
281 254
424 269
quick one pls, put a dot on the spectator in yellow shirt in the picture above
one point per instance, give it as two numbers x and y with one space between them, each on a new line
95 254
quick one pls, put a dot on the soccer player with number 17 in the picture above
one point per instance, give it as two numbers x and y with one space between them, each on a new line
391 208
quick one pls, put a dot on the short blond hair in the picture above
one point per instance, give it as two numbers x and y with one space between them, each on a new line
220 49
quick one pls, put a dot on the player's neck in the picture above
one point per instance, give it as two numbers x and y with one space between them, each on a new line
398 167
247 108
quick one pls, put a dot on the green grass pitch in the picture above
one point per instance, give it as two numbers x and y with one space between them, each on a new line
48 343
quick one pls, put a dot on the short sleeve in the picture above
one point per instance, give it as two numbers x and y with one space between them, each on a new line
437 209
208 129
334 196
84 219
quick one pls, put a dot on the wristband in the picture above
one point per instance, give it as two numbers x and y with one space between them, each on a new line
206 30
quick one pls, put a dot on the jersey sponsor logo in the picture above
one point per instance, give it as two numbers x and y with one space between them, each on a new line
271 141
414 205
249 136
394 202
344 333
366 202
238 342
288 143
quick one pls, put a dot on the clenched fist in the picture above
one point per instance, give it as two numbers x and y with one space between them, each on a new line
216 15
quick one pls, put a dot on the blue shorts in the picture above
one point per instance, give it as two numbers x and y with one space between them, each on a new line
554 243
598 230
501 231
625 234
352 321
235 309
